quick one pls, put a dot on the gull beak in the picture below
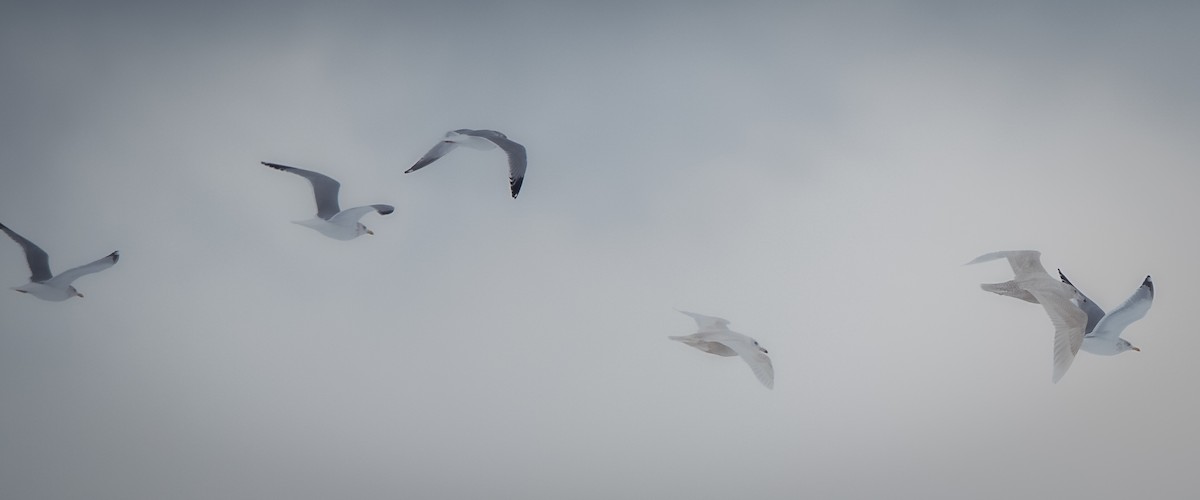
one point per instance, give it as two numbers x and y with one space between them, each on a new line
80 295
370 232
1136 349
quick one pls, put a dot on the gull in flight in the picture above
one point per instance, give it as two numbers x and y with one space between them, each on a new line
1104 332
482 140
1033 284
331 220
46 286
715 337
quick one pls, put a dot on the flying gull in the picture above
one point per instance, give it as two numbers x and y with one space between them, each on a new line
1104 332
1033 284
482 140
715 337
46 286
331 220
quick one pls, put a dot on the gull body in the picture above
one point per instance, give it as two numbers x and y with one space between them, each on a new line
1032 283
715 337
481 140
47 286
331 220
1104 330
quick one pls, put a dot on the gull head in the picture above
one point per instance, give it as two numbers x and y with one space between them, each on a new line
1124 345
74 292
759 347
361 230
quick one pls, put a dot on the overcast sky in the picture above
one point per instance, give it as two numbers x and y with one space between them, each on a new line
812 171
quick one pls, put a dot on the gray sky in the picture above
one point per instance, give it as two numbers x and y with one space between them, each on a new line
814 172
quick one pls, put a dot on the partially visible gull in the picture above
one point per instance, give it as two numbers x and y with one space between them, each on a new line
331 220
1033 284
46 286
715 337
482 140
1104 332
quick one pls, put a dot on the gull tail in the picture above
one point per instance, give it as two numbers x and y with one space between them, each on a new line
1009 289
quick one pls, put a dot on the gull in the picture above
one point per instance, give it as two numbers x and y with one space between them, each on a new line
1104 332
482 140
715 337
331 220
46 286
1033 284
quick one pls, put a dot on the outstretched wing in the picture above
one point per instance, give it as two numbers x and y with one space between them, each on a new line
708 323
758 361
1093 310
438 151
325 189
66 277
1133 309
1069 322
1026 264
39 262
516 163
353 214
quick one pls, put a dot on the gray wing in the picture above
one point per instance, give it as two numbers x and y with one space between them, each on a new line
1093 310
66 277
1069 322
1026 264
353 214
438 151
325 189
1133 309
39 262
708 322
516 156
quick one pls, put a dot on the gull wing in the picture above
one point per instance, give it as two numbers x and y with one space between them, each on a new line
1026 264
39 262
436 152
66 277
1133 309
516 158
1093 310
325 189
758 361
1068 320
708 322
353 214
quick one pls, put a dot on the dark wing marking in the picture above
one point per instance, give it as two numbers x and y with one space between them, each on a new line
39 262
325 189
1093 310
516 156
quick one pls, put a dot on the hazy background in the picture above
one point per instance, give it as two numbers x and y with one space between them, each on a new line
814 172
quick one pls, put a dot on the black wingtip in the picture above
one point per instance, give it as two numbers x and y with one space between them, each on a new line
275 165
115 256
516 186
1148 284
1063 277
384 209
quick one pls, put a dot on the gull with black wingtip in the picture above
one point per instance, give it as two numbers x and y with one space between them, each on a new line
1104 331
47 286
331 220
482 140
